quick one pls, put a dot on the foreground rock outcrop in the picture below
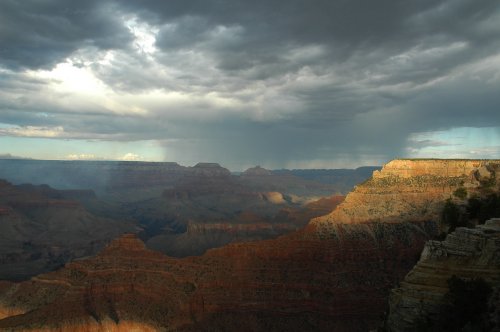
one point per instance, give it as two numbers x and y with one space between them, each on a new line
466 253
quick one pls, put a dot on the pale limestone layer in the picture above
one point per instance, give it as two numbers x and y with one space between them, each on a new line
444 167
466 253
409 190
7 312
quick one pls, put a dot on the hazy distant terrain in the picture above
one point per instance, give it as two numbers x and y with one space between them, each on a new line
78 206
42 228
115 176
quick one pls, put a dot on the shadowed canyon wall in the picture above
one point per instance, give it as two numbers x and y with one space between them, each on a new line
41 229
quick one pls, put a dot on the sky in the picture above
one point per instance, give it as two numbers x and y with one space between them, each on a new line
282 84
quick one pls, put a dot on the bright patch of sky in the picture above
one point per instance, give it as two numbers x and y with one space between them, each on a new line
463 142
145 35
51 149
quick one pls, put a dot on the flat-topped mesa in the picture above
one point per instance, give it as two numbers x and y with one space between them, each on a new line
207 165
466 253
443 167
256 171
209 169
411 190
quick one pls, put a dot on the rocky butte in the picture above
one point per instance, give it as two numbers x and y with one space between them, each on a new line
334 275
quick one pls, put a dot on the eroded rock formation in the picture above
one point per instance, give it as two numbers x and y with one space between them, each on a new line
411 190
465 253
40 230
246 225
334 275
296 282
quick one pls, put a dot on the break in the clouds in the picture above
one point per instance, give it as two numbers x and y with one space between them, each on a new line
282 84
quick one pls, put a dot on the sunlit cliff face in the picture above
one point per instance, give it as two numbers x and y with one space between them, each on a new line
411 190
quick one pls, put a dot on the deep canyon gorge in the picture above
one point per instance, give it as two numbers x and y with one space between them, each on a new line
334 273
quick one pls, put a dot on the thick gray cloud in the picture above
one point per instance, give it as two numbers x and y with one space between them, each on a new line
37 34
242 82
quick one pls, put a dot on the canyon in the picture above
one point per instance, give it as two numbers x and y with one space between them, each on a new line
293 283
183 211
336 273
42 228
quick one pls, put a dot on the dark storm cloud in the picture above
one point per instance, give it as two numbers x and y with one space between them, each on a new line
344 27
36 34
266 81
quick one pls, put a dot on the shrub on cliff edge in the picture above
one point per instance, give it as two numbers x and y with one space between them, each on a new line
466 305
461 193
452 216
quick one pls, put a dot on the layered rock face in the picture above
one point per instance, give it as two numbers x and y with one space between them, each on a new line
465 253
40 230
163 199
246 225
295 283
206 211
297 189
410 190
335 275
407 168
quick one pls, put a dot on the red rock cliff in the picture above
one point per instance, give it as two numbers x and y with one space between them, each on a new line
296 282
